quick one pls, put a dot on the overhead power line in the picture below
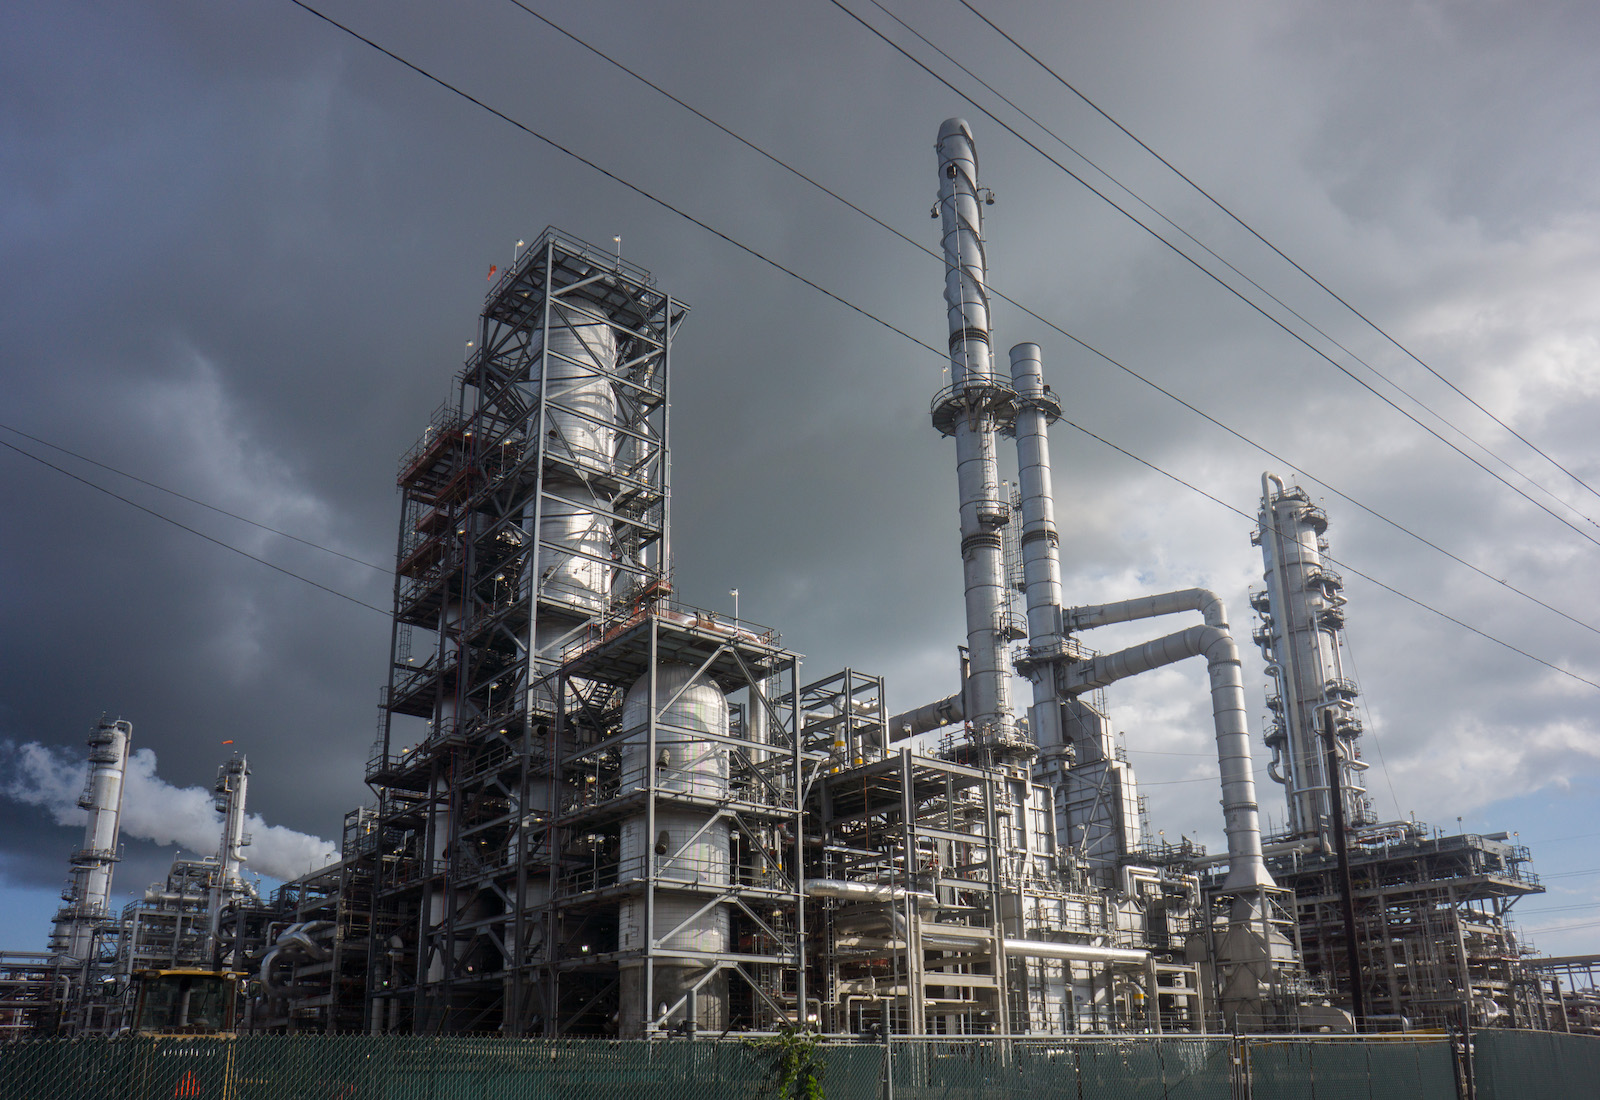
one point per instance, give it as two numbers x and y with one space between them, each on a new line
212 507
1286 258
998 293
191 530
1285 306
642 192
1341 368
635 188
1342 564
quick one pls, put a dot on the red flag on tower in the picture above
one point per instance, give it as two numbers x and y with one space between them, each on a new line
492 269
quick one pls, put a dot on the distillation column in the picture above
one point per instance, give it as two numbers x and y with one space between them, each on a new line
229 793
1302 640
88 894
679 853
974 408
576 435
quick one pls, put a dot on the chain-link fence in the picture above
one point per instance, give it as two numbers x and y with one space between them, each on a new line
1198 1068
1510 1065
268 1067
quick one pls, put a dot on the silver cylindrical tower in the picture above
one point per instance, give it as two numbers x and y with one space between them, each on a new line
1037 409
577 438
232 787
88 893
1303 627
678 849
974 408
229 885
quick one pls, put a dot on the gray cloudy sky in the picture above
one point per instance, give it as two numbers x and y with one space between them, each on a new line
244 252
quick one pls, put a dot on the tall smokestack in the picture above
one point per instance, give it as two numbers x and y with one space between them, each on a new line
975 406
1041 559
88 893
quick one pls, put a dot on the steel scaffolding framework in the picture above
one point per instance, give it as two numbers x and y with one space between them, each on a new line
1433 937
677 881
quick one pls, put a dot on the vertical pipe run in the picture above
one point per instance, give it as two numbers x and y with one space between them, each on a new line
1341 846
975 407
1041 557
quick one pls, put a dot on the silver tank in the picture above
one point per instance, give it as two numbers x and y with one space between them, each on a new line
578 438
690 858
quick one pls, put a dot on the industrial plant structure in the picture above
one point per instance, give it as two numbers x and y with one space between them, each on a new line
1420 918
600 811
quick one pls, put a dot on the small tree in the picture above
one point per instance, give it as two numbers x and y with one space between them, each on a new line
795 1062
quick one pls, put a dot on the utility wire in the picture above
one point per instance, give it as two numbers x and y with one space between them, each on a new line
1341 368
1287 259
874 318
1045 321
173 492
1371 727
191 530
1344 565
1285 306
635 188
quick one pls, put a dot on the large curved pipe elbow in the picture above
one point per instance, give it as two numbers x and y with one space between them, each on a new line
1275 764
1241 814
1203 600
1269 479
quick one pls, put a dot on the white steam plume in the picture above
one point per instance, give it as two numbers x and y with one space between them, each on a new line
153 809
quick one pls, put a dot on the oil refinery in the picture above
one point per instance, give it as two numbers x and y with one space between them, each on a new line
600 811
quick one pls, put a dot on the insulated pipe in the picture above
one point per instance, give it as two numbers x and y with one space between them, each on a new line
1041 556
1074 952
1149 607
1241 815
947 937
1286 848
930 716
979 402
855 891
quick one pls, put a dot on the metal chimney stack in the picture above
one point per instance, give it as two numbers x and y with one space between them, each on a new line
88 893
1038 408
974 408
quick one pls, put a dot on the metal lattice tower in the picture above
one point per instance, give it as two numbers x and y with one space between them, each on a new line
535 502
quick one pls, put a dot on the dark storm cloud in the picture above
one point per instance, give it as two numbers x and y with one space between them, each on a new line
244 253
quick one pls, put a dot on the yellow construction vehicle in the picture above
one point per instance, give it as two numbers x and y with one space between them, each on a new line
185 1002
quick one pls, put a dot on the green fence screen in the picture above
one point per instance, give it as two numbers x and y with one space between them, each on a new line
1509 1065
1534 1065
1334 1069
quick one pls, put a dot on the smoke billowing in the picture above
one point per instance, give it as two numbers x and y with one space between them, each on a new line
155 810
